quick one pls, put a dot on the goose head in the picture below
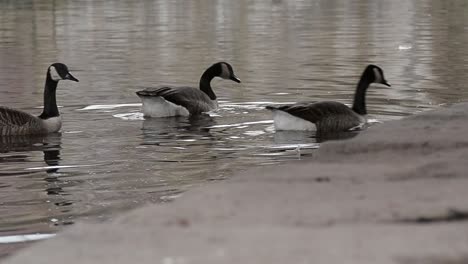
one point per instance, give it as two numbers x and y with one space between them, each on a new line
376 75
59 71
225 71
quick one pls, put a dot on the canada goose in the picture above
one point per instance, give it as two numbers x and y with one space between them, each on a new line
164 101
328 116
16 122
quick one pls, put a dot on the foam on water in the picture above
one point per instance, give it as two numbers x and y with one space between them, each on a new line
130 116
243 124
109 106
60 167
24 238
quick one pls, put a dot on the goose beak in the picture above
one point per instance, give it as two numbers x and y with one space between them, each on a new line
386 83
70 77
234 78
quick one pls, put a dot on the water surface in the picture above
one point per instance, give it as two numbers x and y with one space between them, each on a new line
108 158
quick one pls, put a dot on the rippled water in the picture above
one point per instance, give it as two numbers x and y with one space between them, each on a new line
108 158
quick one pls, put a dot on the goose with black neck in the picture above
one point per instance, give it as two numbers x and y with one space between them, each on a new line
16 122
166 101
329 116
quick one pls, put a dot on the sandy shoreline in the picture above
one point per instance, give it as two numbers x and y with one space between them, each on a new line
396 193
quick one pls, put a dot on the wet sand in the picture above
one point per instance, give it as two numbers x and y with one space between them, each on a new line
396 193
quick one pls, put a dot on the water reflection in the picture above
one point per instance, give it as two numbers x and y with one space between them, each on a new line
18 149
51 158
44 179
179 133
336 136
176 125
109 158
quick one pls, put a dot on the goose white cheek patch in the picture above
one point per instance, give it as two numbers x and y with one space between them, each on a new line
54 74
378 76
225 74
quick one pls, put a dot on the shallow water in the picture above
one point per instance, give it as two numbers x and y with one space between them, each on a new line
108 158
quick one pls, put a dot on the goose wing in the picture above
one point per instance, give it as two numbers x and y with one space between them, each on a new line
194 100
15 122
327 115
13 117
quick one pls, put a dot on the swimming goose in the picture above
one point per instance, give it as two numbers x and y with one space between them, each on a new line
328 116
164 101
16 122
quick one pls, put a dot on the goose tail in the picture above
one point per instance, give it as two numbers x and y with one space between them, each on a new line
271 107
142 93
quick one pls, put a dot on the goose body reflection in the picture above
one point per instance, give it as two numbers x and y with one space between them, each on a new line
159 130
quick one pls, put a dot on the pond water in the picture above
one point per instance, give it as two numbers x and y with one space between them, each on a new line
108 158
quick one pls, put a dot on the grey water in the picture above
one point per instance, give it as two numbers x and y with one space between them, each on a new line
109 159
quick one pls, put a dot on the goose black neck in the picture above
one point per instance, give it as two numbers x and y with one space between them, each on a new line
205 82
50 102
359 104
